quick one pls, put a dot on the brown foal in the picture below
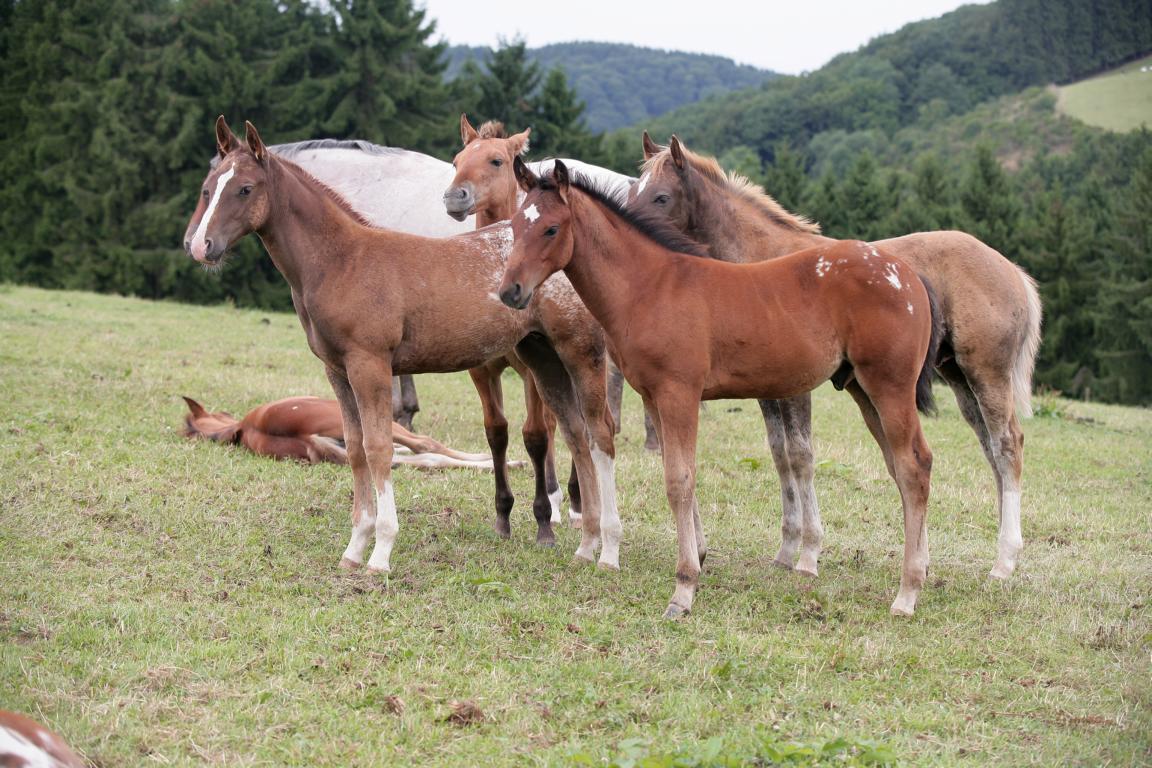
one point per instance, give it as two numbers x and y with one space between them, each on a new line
990 310
374 302
685 328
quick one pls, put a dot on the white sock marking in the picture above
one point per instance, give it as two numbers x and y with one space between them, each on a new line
361 535
387 526
554 499
609 514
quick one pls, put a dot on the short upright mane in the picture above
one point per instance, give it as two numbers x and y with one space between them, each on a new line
656 228
493 129
335 196
738 185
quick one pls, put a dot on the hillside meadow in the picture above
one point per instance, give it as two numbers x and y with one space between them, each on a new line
164 602
1119 100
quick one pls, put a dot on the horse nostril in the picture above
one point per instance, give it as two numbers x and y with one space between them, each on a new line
187 245
207 245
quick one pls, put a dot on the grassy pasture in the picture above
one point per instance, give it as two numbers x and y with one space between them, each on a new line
171 603
1120 100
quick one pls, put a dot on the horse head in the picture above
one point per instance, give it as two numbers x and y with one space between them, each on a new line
542 233
484 179
233 197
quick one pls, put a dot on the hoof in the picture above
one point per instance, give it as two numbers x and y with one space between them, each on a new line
807 571
1001 571
503 528
903 608
348 565
676 612
582 559
654 447
783 565
606 566
377 571
545 540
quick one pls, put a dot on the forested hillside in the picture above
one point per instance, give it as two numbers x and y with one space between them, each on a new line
625 84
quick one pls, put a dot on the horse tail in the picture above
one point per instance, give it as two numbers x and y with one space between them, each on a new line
925 400
220 427
1025 359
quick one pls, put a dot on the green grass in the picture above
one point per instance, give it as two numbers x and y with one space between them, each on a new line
1120 100
177 603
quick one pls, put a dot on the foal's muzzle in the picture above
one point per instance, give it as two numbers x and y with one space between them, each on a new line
460 201
210 253
514 296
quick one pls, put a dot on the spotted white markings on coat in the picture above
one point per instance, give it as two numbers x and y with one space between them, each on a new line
892 275
531 214
199 245
823 266
641 184
910 309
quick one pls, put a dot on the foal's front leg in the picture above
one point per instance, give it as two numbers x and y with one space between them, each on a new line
679 417
372 383
789 426
363 497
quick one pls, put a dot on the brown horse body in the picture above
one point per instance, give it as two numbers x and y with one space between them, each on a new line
684 328
310 429
374 302
989 307
24 743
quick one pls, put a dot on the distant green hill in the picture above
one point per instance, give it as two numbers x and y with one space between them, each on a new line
1120 100
925 72
625 84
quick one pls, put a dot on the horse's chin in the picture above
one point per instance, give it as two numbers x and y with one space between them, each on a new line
213 264
462 214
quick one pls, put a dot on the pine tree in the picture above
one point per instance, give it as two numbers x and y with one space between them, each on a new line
864 200
990 210
559 128
508 85
785 178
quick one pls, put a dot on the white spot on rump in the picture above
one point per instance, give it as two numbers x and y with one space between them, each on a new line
199 246
910 309
531 214
892 275
823 267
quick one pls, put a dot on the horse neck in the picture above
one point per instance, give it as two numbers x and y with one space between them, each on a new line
610 263
305 228
503 210
737 229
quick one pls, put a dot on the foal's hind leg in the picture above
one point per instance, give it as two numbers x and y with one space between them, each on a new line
405 404
555 386
371 381
789 426
537 440
486 379
992 416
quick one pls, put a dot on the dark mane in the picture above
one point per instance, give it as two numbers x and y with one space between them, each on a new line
296 147
654 227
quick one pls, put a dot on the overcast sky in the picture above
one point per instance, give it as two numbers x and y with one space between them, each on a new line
790 37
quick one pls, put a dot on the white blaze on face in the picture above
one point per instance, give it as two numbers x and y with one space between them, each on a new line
199 246
531 214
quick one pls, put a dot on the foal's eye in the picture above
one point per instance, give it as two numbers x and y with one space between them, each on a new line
245 191
661 199
551 231
497 163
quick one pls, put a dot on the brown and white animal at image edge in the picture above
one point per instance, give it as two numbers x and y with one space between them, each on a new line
685 328
433 309
990 309
25 743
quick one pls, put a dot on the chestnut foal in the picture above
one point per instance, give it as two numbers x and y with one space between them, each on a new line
685 328
990 309
374 302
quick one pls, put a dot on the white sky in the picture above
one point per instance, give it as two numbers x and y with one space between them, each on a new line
789 37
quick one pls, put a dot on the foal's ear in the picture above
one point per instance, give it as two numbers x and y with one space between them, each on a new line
468 134
560 176
677 152
524 176
255 143
226 141
519 143
651 148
